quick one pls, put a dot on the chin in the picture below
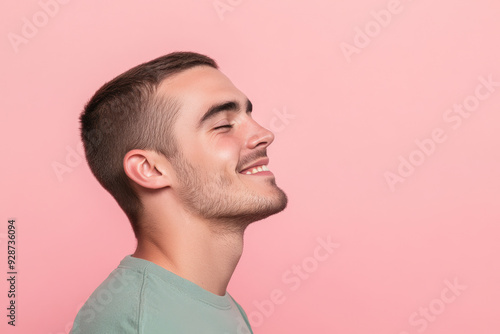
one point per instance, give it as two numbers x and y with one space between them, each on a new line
272 206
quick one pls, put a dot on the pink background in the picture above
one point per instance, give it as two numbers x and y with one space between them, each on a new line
350 117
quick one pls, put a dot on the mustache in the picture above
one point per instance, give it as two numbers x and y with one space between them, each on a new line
251 158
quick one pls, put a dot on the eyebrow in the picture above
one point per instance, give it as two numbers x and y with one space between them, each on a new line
233 106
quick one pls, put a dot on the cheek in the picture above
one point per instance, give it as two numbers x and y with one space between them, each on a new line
226 150
223 153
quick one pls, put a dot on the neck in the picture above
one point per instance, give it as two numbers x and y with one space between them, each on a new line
194 250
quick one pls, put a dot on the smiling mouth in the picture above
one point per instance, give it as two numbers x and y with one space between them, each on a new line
255 170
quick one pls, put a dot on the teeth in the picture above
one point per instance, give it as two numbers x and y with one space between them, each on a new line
262 168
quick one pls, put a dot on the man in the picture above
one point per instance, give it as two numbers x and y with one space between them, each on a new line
174 142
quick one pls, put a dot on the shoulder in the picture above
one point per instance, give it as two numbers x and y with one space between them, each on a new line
243 314
114 306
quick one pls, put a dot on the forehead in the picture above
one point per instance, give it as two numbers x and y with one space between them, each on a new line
197 89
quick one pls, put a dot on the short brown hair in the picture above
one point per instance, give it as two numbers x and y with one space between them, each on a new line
128 113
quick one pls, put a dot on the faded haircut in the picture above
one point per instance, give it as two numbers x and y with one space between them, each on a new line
128 113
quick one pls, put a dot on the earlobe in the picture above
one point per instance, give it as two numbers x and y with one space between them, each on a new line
144 168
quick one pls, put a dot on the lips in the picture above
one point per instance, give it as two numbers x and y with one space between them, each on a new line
256 164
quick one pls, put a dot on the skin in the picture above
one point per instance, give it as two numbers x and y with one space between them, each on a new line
198 204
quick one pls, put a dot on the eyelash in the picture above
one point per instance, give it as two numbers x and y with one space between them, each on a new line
224 126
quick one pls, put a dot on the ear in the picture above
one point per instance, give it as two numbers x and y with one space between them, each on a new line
147 168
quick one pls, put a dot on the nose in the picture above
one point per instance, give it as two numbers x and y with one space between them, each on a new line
259 136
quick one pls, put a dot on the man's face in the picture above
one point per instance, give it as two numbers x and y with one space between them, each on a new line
217 142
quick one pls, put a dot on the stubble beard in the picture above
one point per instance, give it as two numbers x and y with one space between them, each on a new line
218 199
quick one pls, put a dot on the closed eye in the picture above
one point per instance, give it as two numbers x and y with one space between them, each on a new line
224 126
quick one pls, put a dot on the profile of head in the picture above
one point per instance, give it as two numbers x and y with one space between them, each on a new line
175 135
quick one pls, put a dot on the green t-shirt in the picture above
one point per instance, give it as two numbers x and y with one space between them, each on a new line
140 297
